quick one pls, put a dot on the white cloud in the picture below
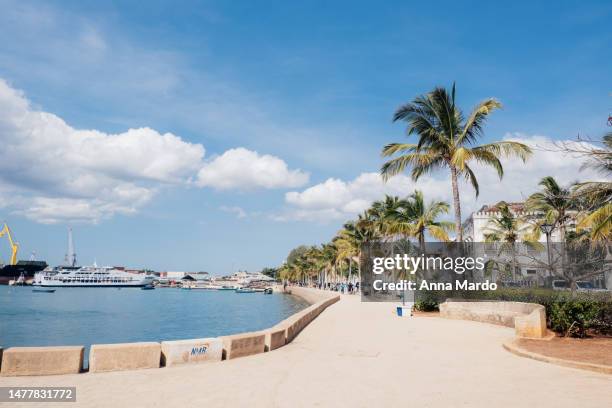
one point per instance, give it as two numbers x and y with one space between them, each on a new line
95 60
237 211
335 199
247 170
521 179
51 172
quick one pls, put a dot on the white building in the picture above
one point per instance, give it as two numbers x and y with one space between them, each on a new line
172 275
478 223
529 264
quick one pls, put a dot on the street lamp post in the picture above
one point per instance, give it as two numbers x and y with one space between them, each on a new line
547 229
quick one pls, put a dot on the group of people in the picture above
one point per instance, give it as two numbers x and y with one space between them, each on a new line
342 287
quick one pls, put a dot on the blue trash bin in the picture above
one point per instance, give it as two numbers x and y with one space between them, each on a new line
399 311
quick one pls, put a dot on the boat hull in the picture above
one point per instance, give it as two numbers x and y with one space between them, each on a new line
27 268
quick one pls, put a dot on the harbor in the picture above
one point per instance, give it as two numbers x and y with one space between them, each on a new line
71 275
88 316
74 304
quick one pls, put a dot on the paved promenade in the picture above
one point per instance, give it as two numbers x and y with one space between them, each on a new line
354 355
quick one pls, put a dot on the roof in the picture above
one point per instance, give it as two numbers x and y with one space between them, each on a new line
516 207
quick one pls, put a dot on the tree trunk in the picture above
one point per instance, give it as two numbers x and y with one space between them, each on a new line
456 204
513 263
422 241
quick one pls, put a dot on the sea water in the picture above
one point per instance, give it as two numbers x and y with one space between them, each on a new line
85 316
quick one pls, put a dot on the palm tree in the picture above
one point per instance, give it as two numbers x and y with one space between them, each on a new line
329 254
507 228
597 195
374 222
447 140
554 202
413 217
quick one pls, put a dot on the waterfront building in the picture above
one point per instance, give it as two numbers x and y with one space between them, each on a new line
477 224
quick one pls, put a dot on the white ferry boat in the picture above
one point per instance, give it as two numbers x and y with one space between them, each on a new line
90 276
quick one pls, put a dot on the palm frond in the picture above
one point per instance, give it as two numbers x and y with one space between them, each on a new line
473 127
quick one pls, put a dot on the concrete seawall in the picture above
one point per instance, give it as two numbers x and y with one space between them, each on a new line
22 361
42 360
191 351
528 319
124 356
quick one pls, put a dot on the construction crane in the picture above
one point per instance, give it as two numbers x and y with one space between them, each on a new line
14 245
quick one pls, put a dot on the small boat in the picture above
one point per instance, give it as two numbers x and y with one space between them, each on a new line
43 290
268 291
245 290
206 287
19 282
226 287
148 287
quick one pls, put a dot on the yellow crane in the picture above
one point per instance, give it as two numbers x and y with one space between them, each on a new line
14 245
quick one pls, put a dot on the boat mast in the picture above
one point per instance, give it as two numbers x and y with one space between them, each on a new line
70 255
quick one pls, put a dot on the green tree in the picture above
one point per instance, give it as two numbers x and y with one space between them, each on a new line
554 202
447 140
596 217
425 218
507 229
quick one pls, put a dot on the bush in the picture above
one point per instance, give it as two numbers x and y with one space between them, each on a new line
574 317
427 301
428 305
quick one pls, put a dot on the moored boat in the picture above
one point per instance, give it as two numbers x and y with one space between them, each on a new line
90 276
43 290
245 290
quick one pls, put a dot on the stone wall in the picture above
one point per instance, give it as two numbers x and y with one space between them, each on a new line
191 351
528 319
243 344
42 360
124 356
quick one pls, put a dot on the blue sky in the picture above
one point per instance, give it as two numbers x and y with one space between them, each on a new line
311 87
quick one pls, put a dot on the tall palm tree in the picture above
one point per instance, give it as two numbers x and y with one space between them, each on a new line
426 218
554 202
447 140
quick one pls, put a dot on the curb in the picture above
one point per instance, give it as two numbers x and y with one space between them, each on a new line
512 347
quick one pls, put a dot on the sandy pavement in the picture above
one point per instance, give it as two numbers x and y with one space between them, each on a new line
353 355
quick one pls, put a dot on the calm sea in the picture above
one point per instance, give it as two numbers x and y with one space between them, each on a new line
85 316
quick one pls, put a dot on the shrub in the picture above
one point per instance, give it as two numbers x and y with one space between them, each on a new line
426 305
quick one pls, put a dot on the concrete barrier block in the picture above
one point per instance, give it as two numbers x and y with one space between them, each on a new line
124 356
243 344
42 360
528 319
276 337
298 325
532 325
191 351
